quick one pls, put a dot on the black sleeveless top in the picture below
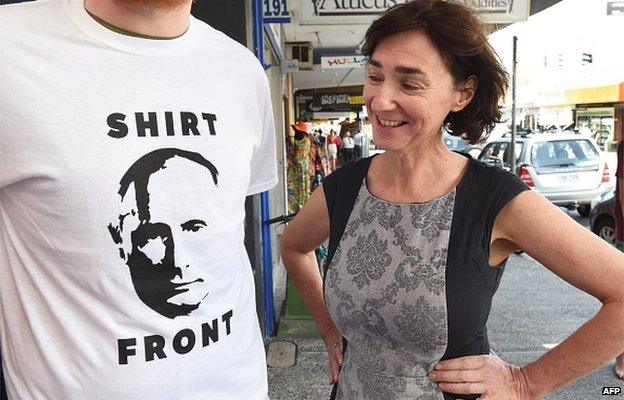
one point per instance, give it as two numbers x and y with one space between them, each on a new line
409 284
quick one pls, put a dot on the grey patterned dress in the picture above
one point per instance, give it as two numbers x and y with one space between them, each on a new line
409 284
385 291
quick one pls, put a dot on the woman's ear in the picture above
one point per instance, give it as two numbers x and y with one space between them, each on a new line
466 93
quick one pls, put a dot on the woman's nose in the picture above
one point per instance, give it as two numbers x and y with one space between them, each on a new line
383 98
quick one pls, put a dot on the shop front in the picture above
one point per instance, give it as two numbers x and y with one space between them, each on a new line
329 103
600 121
600 112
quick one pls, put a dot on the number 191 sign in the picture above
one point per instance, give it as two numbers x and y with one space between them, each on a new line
275 12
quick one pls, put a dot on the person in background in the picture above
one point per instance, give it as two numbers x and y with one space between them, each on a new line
419 235
367 128
358 140
365 144
348 146
114 125
333 144
345 125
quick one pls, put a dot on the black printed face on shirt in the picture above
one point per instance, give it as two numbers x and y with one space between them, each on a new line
169 229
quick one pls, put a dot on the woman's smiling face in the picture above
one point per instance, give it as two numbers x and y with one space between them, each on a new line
408 91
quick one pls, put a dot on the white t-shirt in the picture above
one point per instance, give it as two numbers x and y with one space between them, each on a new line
347 143
125 163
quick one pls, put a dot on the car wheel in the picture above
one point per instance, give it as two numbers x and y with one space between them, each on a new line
583 210
605 229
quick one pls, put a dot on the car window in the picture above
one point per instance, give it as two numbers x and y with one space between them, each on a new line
497 153
563 153
507 158
493 153
455 143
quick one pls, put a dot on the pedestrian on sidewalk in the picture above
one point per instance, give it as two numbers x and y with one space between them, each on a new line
125 164
358 140
418 235
333 144
348 148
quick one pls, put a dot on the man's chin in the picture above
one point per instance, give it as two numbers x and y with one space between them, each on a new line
184 305
171 311
163 5
179 303
170 301
188 297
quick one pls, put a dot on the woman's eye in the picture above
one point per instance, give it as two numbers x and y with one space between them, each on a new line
374 78
409 87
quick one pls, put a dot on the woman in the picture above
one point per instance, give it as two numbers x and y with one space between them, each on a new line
333 143
419 235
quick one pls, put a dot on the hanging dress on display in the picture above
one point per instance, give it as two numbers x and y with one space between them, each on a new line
299 172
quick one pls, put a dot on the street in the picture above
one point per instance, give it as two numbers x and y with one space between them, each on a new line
532 311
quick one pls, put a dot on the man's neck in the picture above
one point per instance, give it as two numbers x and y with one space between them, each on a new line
142 19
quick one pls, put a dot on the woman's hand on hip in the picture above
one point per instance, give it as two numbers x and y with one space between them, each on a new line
487 375
333 342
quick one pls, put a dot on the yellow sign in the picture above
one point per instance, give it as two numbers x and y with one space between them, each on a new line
356 99
603 94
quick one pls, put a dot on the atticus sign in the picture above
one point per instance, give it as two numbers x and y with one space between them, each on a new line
364 11
615 8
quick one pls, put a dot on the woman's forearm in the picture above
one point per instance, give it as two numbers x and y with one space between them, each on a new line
594 344
303 270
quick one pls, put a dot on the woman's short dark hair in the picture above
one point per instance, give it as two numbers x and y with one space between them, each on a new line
461 40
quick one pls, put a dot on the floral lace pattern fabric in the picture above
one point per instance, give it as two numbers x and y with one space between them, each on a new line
385 290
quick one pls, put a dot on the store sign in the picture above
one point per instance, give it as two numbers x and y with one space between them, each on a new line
275 12
332 99
319 12
615 8
339 102
343 62
356 99
329 115
500 11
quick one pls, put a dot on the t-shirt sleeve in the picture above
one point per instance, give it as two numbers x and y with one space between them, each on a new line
264 160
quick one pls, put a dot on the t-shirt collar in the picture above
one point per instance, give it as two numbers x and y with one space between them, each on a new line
130 44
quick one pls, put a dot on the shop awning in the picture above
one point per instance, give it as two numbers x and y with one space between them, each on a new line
602 94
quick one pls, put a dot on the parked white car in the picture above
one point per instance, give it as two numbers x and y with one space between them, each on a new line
568 169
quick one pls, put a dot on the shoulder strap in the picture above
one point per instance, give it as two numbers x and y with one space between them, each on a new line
341 188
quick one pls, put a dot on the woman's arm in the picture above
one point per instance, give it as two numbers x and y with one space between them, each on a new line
579 257
584 260
307 231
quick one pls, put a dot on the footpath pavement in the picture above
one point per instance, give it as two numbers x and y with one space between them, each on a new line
532 311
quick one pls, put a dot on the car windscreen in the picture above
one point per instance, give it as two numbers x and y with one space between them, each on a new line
564 153
498 154
455 143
